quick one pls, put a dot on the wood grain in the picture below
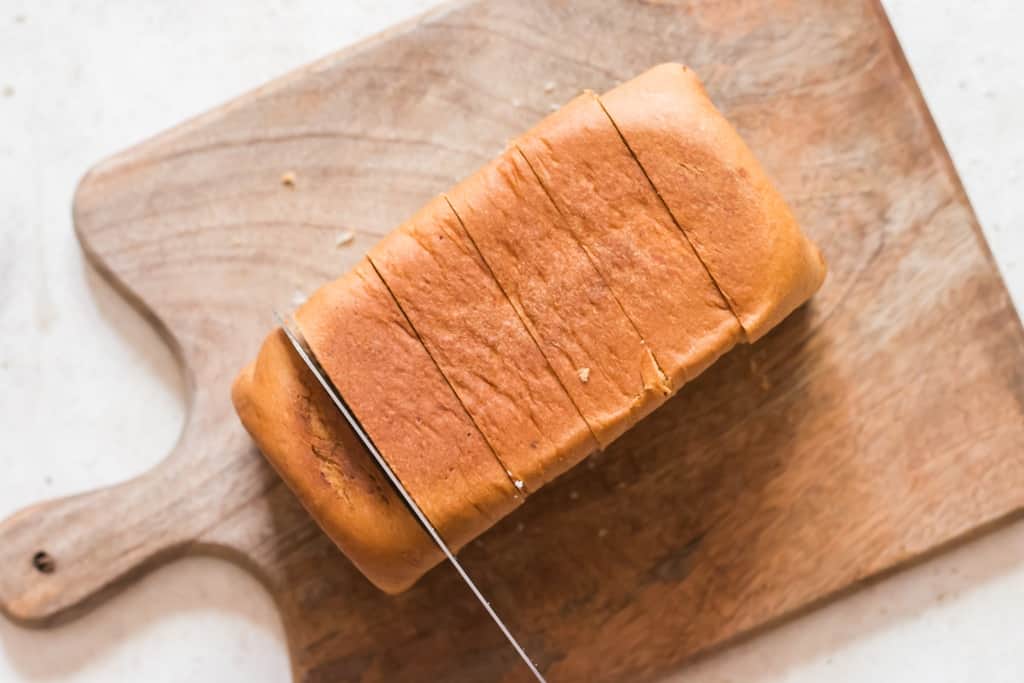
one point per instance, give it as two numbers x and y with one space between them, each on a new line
877 425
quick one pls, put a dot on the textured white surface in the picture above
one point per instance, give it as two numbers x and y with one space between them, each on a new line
79 81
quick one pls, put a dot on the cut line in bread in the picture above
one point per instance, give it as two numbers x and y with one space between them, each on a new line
516 484
380 367
718 194
481 346
728 302
522 315
562 299
613 212
663 381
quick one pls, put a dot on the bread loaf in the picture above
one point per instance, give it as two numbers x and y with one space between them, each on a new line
531 314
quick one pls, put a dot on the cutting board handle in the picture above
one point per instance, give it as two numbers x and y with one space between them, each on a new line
61 556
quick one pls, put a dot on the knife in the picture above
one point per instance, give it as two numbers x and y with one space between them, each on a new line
306 354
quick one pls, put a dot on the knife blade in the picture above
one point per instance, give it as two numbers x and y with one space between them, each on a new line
294 336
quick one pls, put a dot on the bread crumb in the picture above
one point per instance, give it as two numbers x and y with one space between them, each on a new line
8 91
583 374
288 179
344 239
554 107
574 495
601 533
519 484
298 297
549 86
19 18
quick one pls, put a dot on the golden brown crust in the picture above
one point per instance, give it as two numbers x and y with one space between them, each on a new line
480 344
559 295
296 426
718 193
365 345
615 214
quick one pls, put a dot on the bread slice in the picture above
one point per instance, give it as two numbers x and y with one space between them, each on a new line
296 426
477 339
616 216
719 195
563 300
365 345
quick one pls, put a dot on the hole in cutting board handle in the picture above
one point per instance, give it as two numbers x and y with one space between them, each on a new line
44 562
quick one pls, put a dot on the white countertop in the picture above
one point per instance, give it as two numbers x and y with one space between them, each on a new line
81 81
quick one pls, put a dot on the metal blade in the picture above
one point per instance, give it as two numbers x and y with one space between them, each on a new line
306 354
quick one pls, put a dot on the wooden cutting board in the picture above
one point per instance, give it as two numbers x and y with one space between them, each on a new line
875 426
